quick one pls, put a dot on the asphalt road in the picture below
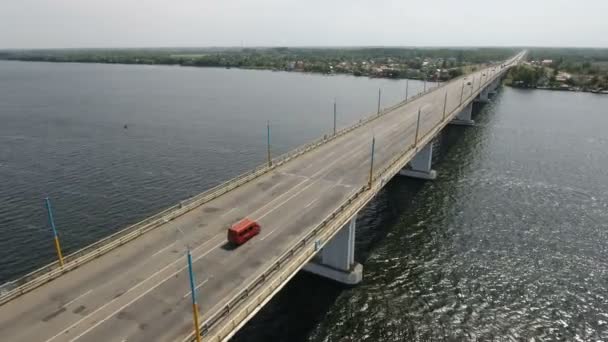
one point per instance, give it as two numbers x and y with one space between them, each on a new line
140 291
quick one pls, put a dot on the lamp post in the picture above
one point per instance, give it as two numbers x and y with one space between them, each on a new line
197 330
371 164
55 237
379 98
268 143
417 128
334 116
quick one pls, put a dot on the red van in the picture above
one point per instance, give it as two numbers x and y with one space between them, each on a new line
242 231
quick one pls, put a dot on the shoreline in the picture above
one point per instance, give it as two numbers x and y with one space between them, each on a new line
604 92
229 67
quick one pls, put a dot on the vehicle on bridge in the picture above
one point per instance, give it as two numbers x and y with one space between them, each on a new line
242 231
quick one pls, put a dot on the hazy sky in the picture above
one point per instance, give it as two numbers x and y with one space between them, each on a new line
140 23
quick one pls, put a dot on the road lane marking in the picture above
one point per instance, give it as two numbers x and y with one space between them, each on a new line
323 169
77 298
287 200
311 202
228 212
196 288
345 156
134 287
162 250
144 293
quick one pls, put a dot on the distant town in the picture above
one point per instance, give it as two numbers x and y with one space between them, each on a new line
546 68
412 63
563 69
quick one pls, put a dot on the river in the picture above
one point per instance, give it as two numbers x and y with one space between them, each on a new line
507 244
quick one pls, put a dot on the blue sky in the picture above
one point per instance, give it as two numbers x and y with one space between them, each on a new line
152 23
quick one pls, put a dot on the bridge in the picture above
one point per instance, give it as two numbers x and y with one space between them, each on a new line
134 285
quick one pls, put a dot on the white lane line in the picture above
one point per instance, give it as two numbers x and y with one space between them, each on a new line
311 202
291 174
355 149
162 250
77 298
196 288
143 294
286 200
228 212
129 290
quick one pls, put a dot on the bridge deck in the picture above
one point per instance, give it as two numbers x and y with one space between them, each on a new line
140 292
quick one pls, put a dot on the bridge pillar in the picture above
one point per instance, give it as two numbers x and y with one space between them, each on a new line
494 86
420 166
464 117
336 260
483 95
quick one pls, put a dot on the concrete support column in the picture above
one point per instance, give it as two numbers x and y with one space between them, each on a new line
420 166
483 95
336 260
464 117
494 86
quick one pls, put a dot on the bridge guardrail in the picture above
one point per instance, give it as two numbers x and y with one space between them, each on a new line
40 276
350 207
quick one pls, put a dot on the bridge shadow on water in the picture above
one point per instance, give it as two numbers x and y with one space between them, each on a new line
297 311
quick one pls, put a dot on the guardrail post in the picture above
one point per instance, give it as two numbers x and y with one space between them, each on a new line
52 223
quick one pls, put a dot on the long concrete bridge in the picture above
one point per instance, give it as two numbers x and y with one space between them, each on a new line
134 286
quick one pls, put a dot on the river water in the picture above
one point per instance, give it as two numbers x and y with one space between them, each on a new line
509 243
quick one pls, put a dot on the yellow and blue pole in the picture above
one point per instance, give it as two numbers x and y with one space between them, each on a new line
52 223
197 331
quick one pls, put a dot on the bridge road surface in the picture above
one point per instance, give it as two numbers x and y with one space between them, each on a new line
140 291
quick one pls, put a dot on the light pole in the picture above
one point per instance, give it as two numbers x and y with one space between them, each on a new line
417 128
379 98
445 103
407 87
55 237
268 143
197 331
371 163
334 116
462 91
